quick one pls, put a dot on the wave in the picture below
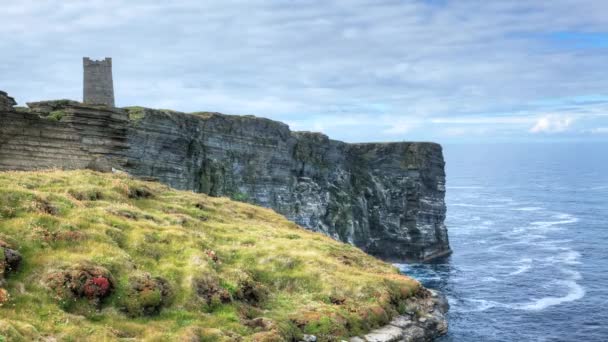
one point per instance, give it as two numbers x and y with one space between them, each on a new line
562 218
575 292
489 279
528 209
471 304
465 187
570 258
527 265
500 246
470 205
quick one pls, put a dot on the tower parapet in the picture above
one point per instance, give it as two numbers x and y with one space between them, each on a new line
98 83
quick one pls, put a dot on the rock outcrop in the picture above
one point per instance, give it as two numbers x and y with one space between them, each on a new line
386 198
425 323
6 102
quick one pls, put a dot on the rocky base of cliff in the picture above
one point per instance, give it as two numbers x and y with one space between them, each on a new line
424 321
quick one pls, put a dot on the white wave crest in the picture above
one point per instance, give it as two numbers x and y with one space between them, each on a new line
528 209
473 305
562 218
526 266
570 257
464 187
471 205
575 292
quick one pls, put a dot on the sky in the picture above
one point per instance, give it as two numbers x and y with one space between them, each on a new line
357 70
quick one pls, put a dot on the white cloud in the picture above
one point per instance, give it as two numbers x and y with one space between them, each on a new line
465 131
477 120
401 127
552 124
316 63
599 130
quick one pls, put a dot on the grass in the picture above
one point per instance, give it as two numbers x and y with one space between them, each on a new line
56 115
107 257
136 113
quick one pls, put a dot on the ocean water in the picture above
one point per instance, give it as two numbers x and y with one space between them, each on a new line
528 224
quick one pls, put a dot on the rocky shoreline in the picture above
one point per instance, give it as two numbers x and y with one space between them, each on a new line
423 321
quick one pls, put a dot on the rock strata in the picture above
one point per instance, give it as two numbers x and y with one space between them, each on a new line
386 198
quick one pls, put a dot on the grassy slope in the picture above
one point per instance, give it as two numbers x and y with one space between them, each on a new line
298 281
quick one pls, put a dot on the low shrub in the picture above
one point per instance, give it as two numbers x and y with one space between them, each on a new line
146 295
84 281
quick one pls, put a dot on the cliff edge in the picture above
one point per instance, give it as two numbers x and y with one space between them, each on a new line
386 198
90 256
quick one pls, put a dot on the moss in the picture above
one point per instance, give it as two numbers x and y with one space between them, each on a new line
136 113
56 115
146 295
240 196
181 265
21 110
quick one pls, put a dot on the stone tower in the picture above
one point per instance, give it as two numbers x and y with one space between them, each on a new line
98 84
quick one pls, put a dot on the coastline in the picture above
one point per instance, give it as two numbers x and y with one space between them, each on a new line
424 321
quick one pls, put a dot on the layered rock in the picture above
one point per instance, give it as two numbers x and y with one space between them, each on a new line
61 134
387 198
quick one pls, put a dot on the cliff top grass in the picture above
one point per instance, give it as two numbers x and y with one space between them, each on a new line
107 257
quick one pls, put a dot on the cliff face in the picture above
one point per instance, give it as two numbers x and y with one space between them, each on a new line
386 198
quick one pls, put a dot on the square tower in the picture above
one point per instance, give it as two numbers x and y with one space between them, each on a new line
98 84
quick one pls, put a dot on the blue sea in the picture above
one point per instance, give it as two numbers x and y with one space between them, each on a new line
528 224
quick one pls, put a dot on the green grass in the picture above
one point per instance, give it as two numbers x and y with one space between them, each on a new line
213 269
56 115
136 113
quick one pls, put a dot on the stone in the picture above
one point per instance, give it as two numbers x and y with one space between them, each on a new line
387 333
402 328
10 260
309 338
98 86
415 334
13 259
401 322
385 198
6 102
101 164
440 300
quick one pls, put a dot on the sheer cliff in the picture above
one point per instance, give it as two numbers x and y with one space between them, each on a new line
386 198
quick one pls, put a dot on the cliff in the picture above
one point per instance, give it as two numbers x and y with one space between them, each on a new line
386 198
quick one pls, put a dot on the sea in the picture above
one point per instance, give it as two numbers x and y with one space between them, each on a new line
528 226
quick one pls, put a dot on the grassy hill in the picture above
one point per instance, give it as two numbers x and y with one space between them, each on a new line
107 257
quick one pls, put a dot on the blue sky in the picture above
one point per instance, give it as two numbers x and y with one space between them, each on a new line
357 70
